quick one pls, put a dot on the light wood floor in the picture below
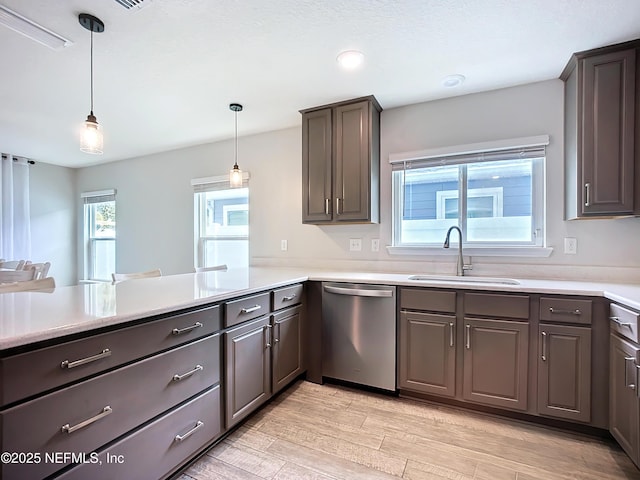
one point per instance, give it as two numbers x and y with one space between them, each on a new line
328 432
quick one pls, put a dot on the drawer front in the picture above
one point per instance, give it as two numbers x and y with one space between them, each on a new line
41 370
161 446
286 297
108 405
239 311
494 305
625 322
565 310
428 300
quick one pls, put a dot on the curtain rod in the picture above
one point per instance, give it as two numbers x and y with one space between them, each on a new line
30 162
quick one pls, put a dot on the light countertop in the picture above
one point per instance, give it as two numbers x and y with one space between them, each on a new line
29 317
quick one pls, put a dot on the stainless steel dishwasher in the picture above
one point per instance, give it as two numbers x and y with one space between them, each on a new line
359 334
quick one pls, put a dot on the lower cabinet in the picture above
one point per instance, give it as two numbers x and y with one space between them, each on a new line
624 402
495 367
287 346
159 447
428 353
564 372
248 368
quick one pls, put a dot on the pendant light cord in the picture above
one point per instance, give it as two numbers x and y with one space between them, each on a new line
236 159
91 56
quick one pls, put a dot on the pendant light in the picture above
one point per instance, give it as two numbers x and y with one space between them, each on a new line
235 174
91 140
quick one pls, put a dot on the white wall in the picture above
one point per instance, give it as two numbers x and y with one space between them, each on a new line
155 201
53 219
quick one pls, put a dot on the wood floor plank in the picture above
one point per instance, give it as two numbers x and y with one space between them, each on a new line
325 463
248 459
330 432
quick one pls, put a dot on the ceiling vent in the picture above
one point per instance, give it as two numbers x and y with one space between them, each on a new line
134 4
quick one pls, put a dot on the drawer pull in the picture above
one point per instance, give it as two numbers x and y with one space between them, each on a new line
251 309
180 331
289 297
631 384
180 438
544 346
105 411
565 312
177 378
83 361
620 323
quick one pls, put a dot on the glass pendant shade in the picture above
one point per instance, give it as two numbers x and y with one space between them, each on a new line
91 140
235 177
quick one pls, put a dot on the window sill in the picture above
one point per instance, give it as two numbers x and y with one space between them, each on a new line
539 252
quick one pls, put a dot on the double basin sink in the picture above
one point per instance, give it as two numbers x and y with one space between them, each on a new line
463 279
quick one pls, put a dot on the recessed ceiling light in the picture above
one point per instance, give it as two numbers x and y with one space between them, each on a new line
451 81
350 59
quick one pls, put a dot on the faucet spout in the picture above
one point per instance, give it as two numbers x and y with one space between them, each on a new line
460 265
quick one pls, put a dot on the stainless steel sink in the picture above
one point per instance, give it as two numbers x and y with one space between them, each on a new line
463 279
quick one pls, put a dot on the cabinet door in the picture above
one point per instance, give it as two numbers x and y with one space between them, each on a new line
495 362
317 204
608 133
427 353
624 405
248 368
564 372
287 351
352 177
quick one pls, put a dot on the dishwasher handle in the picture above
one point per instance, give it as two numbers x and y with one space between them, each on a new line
358 292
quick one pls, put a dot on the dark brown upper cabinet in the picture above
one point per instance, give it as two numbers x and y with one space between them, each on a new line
602 132
341 162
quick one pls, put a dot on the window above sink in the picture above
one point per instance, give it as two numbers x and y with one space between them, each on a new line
494 192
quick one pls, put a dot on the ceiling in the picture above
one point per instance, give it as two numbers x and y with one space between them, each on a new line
164 75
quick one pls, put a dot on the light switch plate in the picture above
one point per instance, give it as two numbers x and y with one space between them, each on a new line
355 244
283 245
375 244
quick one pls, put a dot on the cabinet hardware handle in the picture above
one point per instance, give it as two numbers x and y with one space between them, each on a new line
577 311
637 380
268 335
177 378
289 297
179 331
544 346
277 338
105 411
251 309
104 354
338 206
631 384
327 203
620 323
468 341
180 438
587 192
451 334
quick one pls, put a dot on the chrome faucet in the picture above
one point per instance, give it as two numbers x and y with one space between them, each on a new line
461 267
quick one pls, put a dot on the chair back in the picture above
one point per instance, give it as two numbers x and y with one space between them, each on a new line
211 269
42 269
12 264
10 276
117 277
28 285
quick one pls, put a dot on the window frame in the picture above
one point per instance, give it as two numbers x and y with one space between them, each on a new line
90 201
460 155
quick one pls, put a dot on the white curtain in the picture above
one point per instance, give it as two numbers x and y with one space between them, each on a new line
15 225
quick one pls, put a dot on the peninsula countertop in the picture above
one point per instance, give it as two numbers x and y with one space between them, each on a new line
30 317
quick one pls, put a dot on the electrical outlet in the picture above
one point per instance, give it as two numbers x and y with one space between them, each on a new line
570 245
283 245
375 244
355 244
